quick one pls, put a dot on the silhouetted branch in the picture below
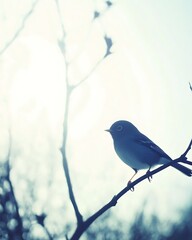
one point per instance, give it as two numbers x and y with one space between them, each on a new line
66 237
48 233
81 229
89 74
65 121
109 44
20 28
41 221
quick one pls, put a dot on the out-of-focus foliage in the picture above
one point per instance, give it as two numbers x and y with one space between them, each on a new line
142 228
152 228
183 228
106 228
10 220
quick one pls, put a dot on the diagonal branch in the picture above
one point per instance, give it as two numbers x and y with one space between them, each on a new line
20 28
109 44
80 230
187 150
89 73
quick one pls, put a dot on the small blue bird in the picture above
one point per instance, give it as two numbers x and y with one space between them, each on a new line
137 150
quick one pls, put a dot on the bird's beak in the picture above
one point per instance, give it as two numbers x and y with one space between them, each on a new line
107 130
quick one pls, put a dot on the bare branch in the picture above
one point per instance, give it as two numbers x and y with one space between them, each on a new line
65 121
187 150
80 230
97 15
48 233
20 28
66 237
89 74
187 162
109 44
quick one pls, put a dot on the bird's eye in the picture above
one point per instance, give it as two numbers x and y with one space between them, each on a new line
119 128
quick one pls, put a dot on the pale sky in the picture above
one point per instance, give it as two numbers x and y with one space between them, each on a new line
145 80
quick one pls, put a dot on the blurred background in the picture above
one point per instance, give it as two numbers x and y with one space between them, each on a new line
127 60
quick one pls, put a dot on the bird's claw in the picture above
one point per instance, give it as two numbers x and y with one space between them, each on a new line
149 176
131 188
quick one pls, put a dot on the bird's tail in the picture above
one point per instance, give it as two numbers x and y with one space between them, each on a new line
183 169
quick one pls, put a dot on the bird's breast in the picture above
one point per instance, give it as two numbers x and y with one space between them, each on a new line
135 155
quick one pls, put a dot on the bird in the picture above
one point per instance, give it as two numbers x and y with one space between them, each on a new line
138 151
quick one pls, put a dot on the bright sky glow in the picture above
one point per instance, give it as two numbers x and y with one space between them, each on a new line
145 81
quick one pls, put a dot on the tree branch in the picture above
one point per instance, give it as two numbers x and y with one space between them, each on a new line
109 44
89 74
20 28
187 150
69 89
65 122
80 230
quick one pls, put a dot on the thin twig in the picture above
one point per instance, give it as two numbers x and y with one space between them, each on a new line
187 150
48 233
20 28
89 74
187 162
66 237
62 28
96 16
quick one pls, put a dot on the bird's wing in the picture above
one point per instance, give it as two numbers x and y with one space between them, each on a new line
145 141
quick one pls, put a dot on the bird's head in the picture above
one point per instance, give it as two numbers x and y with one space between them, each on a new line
122 128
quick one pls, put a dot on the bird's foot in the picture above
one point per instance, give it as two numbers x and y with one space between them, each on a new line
149 176
131 188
